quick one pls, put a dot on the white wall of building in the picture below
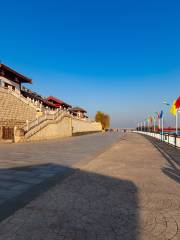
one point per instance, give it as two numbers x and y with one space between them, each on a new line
4 80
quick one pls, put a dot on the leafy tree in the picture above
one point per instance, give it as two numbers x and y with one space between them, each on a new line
104 119
98 116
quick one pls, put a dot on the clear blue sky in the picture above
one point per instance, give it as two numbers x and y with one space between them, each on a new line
121 57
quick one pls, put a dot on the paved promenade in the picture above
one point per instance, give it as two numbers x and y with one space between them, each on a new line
26 169
172 155
123 193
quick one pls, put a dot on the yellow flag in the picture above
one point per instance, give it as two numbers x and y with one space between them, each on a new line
173 109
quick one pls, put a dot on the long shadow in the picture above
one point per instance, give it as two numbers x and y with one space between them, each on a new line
172 156
84 205
171 170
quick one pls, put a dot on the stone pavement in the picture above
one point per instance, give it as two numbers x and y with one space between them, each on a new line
122 193
30 168
172 154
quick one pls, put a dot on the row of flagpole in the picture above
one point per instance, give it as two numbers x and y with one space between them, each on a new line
174 110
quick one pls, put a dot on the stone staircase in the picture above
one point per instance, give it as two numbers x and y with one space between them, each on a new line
31 129
43 120
14 108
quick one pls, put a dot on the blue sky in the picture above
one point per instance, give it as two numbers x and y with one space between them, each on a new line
121 57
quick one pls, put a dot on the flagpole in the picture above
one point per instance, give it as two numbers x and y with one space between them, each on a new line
154 125
144 126
162 127
177 122
148 126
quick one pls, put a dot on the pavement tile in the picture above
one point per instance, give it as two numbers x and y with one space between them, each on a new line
123 193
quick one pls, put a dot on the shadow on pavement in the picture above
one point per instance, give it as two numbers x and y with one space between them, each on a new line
81 205
171 170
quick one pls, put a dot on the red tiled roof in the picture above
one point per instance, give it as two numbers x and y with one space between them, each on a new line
58 101
47 103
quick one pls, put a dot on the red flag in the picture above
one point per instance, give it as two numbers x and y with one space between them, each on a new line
158 115
177 104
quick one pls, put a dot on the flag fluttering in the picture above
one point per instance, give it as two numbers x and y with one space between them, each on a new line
161 114
177 104
173 109
158 115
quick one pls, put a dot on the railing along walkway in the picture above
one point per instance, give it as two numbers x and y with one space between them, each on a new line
171 139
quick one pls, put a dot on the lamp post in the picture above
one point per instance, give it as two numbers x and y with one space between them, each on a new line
168 105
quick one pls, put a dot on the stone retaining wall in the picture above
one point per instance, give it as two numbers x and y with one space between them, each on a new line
13 111
52 130
81 126
64 126
11 123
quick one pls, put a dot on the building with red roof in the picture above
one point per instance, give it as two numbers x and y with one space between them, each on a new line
79 112
58 103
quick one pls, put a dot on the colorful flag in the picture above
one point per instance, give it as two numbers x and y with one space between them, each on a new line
173 109
158 114
161 114
177 104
